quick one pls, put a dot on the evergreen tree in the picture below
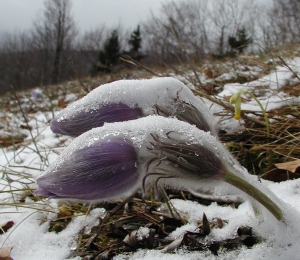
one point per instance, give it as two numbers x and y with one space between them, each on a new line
135 43
240 42
135 40
109 56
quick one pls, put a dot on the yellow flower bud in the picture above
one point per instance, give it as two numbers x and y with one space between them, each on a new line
237 101
237 116
235 97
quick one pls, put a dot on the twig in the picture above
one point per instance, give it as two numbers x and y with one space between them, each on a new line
74 69
130 60
221 199
105 219
287 66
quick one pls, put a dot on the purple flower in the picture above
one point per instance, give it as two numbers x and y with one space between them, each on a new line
37 94
131 99
100 171
117 159
85 120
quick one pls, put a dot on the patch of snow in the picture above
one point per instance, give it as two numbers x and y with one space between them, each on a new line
30 238
71 98
143 232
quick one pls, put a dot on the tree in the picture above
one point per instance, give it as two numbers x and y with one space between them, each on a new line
54 36
87 49
135 40
135 43
240 42
281 23
17 62
109 56
179 33
226 17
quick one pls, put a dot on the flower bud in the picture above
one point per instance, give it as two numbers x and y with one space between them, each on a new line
131 99
236 100
102 170
117 159
85 120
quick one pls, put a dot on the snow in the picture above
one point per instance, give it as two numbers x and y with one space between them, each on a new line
30 238
149 95
143 232
71 98
266 88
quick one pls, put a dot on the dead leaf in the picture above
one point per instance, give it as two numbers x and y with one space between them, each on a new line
62 103
289 166
134 241
131 239
65 211
219 222
277 175
205 225
173 246
5 253
6 226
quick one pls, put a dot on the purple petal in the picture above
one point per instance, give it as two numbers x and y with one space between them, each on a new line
104 170
86 120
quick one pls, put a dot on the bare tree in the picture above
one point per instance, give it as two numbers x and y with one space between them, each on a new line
179 32
16 62
87 48
226 18
54 35
189 30
92 40
282 23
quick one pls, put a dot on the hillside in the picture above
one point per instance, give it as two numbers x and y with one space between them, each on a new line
265 140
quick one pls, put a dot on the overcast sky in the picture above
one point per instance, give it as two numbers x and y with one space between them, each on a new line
18 15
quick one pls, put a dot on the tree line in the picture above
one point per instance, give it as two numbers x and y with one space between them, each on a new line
183 31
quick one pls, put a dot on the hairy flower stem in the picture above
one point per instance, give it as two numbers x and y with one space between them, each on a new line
254 193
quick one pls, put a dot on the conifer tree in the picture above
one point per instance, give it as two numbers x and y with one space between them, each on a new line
135 40
135 43
109 55
239 42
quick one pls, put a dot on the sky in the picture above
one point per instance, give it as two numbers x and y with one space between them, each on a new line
18 15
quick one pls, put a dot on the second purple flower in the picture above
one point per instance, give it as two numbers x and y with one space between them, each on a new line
131 99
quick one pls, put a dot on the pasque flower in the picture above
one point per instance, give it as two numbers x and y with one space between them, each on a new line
131 99
117 159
